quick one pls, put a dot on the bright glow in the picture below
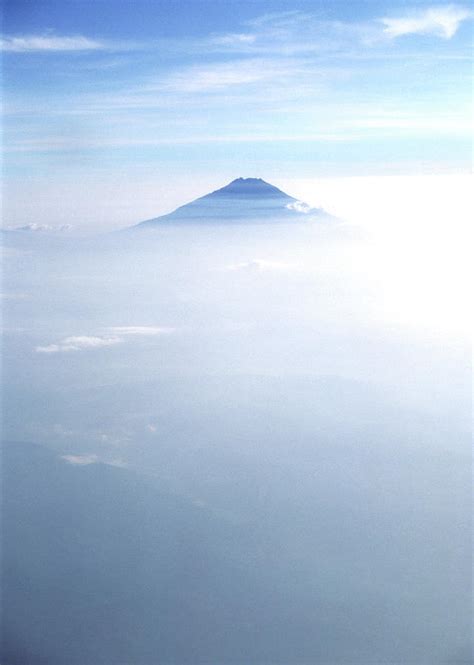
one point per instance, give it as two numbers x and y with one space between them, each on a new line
417 254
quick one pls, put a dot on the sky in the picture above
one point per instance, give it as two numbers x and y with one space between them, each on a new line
115 112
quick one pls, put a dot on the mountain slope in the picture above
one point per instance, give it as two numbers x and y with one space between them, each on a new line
242 200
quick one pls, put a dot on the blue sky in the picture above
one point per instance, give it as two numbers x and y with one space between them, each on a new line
156 99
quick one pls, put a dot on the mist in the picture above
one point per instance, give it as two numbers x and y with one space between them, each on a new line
234 443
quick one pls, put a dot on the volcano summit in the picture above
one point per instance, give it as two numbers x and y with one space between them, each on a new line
242 200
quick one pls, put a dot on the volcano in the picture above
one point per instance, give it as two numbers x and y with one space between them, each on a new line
242 200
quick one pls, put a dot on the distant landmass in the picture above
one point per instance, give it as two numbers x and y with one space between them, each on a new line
243 199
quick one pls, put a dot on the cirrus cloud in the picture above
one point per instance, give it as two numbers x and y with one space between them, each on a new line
49 43
441 21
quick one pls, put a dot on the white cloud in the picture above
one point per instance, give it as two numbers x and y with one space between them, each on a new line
234 39
280 19
80 343
140 330
34 226
240 72
114 336
80 460
298 32
86 460
294 33
442 21
299 206
49 43
215 77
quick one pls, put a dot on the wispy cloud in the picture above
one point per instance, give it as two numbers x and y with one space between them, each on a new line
262 82
86 460
293 33
65 145
113 335
297 32
441 21
234 39
49 43
81 343
278 19
239 72
80 460
45 228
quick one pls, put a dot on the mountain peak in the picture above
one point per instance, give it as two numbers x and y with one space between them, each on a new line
242 200
249 188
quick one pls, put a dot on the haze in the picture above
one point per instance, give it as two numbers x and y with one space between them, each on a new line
239 446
